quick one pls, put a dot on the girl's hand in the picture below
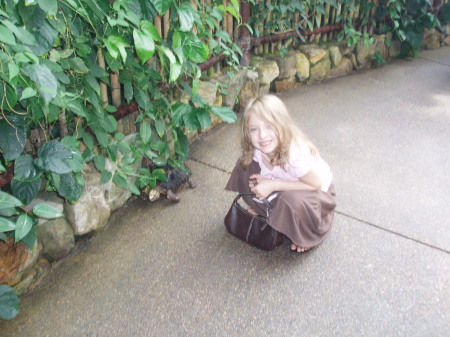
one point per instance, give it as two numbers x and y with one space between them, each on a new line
263 188
258 177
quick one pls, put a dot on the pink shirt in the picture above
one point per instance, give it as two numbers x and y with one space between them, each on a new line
300 162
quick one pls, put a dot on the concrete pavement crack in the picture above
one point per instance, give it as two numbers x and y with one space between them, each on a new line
392 232
348 216
427 59
209 165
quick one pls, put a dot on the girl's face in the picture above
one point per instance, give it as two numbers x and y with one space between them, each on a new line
262 135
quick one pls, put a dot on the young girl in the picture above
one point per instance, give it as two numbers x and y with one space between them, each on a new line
280 164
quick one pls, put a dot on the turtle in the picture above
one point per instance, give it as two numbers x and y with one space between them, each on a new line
176 178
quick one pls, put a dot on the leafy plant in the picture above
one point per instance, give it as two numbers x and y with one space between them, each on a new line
57 60
9 302
378 59
407 19
18 222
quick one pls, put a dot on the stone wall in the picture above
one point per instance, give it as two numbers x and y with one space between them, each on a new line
308 64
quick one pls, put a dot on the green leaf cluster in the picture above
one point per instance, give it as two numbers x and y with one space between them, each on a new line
408 21
53 114
9 302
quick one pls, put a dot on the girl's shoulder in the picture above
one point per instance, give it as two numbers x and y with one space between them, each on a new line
300 154
298 149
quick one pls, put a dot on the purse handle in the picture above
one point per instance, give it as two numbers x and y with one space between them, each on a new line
264 200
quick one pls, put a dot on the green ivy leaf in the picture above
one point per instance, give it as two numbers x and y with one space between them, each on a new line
145 46
27 93
134 190
47 211
24 224
150 30
204 117
8 212
88 140
191 121
199 52
150 154
102 137
175 71
6 225
45 81
71 143
21 34
160 128
123 147
179 110
106 176
100 163
8 201
181 145
13 71
186 16
10 95
225 113
116 45
52 156
120 180
30 239
25 170
113 152
76 161
145 132
6 36
159 174
25 191
48 6
69 187
9 302
161 5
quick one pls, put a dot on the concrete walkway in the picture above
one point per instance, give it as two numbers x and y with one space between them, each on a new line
165 269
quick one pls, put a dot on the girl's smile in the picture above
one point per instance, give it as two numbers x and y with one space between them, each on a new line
262 136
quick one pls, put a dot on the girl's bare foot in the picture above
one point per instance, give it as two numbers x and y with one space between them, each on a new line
298 250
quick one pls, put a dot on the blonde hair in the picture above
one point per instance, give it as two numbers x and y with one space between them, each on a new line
273 111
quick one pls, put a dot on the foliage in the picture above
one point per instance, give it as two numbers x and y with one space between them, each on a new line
279 16
18 221
408 19
9 302
51 92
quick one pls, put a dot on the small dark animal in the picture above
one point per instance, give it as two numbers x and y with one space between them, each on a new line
176 178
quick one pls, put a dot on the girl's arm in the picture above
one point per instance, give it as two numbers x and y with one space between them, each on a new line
309 182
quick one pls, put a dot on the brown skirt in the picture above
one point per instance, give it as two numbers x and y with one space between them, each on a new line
305 217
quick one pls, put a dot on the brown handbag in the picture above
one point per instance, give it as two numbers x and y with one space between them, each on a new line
250 228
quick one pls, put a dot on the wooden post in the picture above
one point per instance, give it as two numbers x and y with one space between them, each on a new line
115 95
63 131
332 22
296 25
166 24
103 86
260 25
325 20
244 37
266 46
194 5
372 16
338 12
